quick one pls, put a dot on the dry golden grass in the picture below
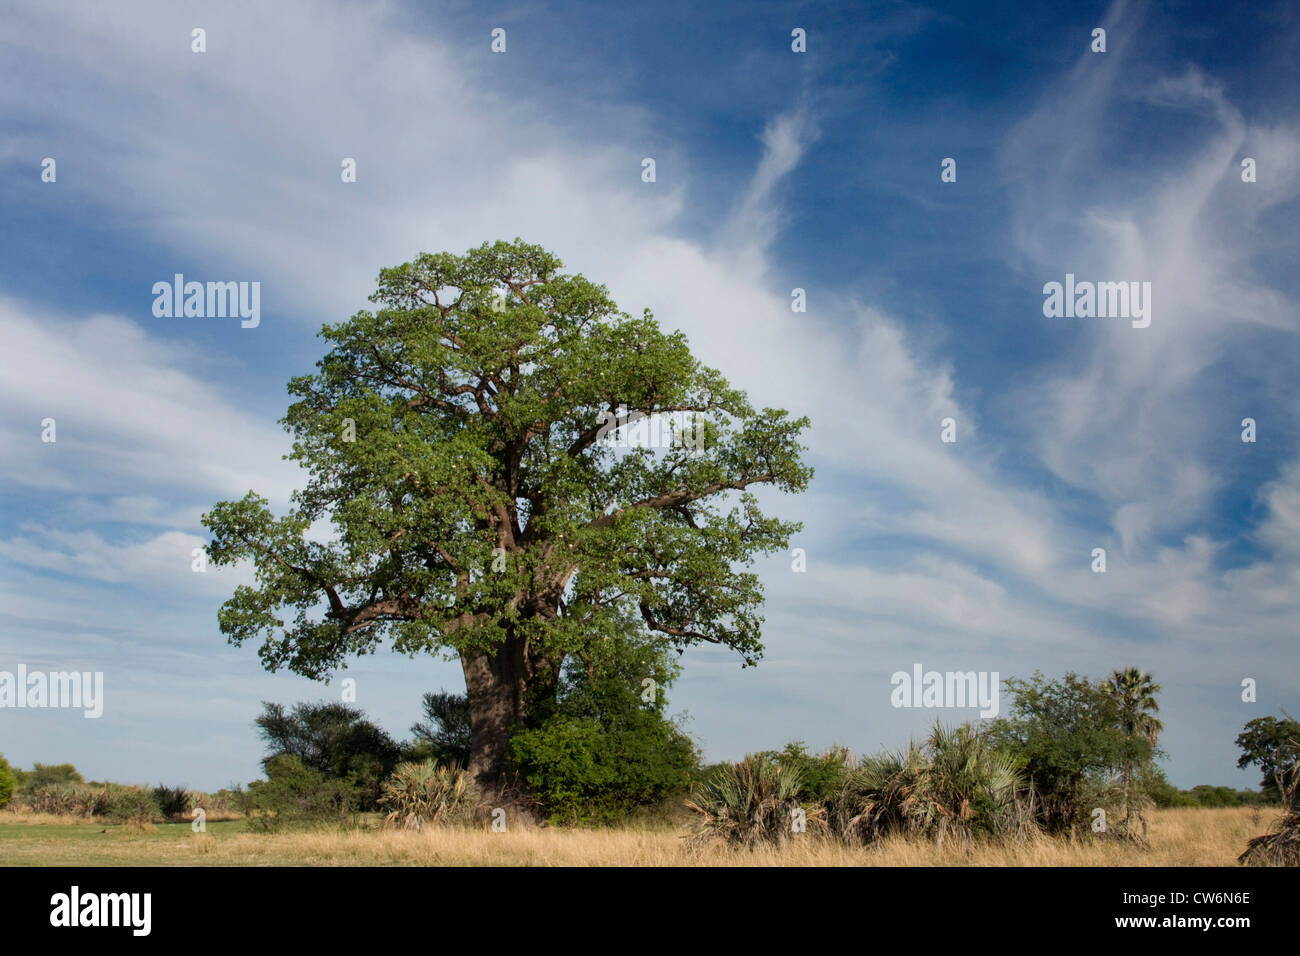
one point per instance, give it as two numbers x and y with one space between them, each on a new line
1178 838
11 814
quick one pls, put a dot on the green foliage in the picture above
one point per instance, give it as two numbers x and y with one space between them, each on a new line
420 793
1205 795
752 804
1164 794
48 775
131 805
444 734
606 750
336 741
1274 746
1067 736
821 776
955 785
8 782
295 794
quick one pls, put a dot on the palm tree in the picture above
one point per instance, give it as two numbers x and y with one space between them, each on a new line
1134 693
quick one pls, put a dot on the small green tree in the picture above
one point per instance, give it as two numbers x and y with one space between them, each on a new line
49 775
335 740
1068 737
1274 746
444 735
8 782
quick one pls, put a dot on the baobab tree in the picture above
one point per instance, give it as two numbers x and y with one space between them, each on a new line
456 441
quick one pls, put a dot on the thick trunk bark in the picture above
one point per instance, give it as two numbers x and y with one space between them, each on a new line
500 687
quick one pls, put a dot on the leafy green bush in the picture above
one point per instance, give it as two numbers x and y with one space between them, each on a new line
48 775
821 775
295 794
606 748
420 793
131 805
336 741
1066 737
1165 794
8 782
751 804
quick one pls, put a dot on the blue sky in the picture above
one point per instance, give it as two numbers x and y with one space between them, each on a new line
775 170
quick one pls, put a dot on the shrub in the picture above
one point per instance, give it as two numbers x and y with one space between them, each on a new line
131 805
821 775
588 769
174 801
604 751
336 741
420 793
294 794
953 786
8 782
48 775
1066 737
751 804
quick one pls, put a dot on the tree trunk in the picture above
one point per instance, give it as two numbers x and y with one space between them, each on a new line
500 687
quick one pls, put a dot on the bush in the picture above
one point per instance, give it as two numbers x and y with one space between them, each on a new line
48 775
336 741
953 786
1065 736
8 782
604 750
821 775
589 769
420 793
174 801
752 804
131 805
295 794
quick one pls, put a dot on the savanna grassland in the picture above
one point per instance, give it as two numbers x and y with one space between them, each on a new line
1178 837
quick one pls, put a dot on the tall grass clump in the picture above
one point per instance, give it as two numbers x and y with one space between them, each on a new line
420 793
954 786
751 804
